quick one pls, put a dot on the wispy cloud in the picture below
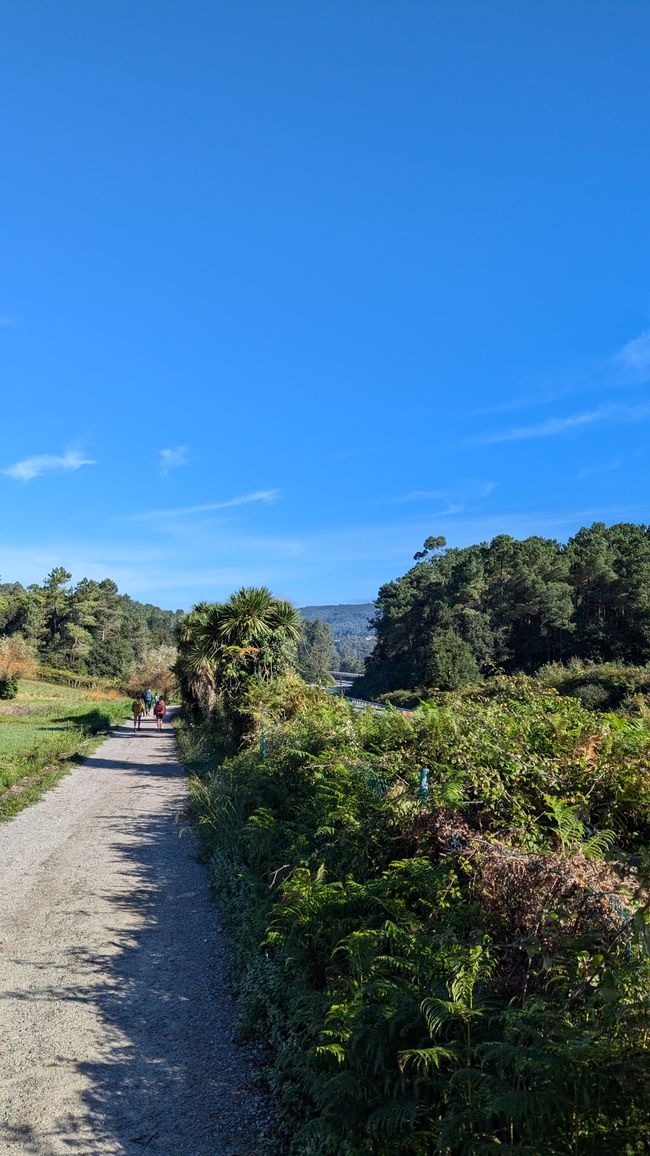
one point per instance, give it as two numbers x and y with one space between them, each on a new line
172 459
34 467
423 495
601 468
626 368
462 492
635 355
205 507
553 426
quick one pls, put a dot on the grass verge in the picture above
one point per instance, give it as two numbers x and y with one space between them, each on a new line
44 732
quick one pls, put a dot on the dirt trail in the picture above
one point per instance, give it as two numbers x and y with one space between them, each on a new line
115 1022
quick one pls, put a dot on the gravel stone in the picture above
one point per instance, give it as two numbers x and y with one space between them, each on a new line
116 1021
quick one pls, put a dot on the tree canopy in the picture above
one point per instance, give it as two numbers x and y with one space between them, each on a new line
89 628
225 646
513 605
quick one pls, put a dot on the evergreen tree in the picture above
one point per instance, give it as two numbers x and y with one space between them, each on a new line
514 605
315 651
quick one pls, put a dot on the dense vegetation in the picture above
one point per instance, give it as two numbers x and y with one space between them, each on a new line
89 629
463 973
460 614
353 635
42 731
440 920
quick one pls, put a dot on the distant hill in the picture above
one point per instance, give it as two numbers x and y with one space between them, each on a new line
347 621
353 637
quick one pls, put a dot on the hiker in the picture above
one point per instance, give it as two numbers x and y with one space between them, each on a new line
148 699
160 711
137 709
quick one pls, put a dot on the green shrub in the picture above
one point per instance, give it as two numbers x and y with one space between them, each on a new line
8 687
464 973
604 686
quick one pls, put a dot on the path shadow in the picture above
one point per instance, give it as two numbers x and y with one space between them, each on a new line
162 770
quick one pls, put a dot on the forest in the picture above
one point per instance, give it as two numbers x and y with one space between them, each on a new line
461 614
88 629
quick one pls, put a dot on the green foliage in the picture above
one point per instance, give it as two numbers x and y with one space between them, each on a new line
351 652
90 629
463 976
449 662
316 653
45 728
8 686
515 605
598 686
353 635
347 621
226 647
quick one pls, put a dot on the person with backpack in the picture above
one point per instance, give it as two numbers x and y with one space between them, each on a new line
160 710
148 699
137 710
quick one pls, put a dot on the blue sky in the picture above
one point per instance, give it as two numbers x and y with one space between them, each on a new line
286 287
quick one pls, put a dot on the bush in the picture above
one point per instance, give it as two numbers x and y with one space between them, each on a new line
72 678
604 686
16 658
8 687
155 672
405 699
456 974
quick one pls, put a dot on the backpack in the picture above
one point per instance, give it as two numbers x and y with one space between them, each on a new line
159 707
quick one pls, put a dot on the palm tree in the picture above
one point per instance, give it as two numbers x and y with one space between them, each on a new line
223 645
194 667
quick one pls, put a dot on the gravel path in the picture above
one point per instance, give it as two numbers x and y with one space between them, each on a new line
115 1018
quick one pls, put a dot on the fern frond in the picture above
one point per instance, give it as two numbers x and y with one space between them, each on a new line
424 1059
598 845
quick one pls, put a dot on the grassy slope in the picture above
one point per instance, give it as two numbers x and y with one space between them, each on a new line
42 732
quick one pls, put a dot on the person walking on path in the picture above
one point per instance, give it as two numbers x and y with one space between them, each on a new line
148 699
160 711
137 709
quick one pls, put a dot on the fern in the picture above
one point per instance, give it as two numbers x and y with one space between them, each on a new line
572 832
424 1059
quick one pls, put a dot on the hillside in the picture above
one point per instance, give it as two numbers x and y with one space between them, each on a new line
354 639
346 620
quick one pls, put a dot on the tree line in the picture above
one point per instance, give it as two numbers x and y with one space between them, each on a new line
512 605
89 628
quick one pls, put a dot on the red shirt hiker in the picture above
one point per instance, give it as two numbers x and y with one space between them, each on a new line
160 711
